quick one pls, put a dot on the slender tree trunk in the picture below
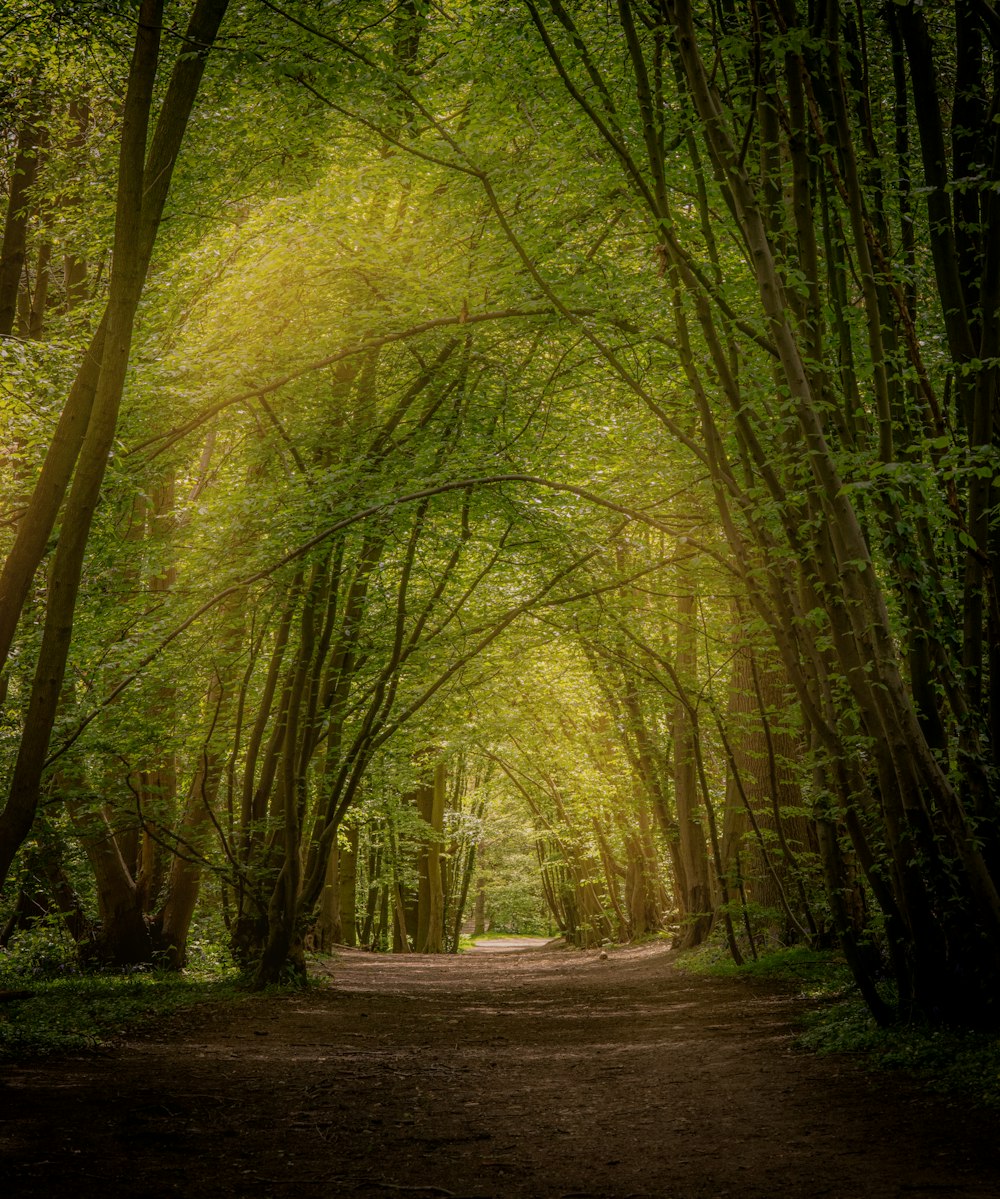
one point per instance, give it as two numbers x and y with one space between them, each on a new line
40 292
433 926
368 931
759 786
13 249
329 925
458 920
91 415
184 877
694 890
479 908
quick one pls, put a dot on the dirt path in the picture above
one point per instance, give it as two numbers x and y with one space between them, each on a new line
543 1073
509 944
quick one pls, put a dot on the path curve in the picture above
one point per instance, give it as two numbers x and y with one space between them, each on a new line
509 945
498 1076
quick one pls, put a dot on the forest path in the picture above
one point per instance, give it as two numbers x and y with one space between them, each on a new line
508 944
548 1073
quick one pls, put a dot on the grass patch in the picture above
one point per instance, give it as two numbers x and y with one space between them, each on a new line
467 941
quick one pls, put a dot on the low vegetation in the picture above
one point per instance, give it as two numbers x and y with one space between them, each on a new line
836 1020
49 1004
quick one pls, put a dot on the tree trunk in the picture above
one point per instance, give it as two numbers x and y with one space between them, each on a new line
760 785
40 292
433 925
184 877
90 419
693 888
337 923
199 824
123 938
348 879
479 908
458 915
329 928
13 249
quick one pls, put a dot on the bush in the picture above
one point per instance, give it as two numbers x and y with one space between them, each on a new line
46 950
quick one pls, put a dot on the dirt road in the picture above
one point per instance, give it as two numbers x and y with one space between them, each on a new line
541 1073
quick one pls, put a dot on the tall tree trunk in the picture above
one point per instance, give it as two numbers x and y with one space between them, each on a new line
329 930
433 940
40 292
14 247
348 879
760 786
479 907
184 877
123 938
693 888
90 418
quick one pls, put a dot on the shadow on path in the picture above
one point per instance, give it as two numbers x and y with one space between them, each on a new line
534 1074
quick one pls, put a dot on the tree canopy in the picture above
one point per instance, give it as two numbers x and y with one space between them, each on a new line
530 446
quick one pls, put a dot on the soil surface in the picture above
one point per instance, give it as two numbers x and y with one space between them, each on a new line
541 1072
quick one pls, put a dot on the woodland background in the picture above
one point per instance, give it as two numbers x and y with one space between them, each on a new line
527 463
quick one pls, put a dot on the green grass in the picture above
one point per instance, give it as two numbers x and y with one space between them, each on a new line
466 941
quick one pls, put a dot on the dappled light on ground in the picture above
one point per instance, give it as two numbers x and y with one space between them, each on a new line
509 1075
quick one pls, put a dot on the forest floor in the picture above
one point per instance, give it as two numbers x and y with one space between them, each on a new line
536 1073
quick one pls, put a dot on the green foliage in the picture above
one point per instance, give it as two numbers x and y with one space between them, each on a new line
815 973
392 262
69 1008
43 952
514 903
964 1063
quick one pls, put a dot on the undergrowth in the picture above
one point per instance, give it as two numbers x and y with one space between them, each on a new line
48 1004
966 1063
948 1060
817 973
